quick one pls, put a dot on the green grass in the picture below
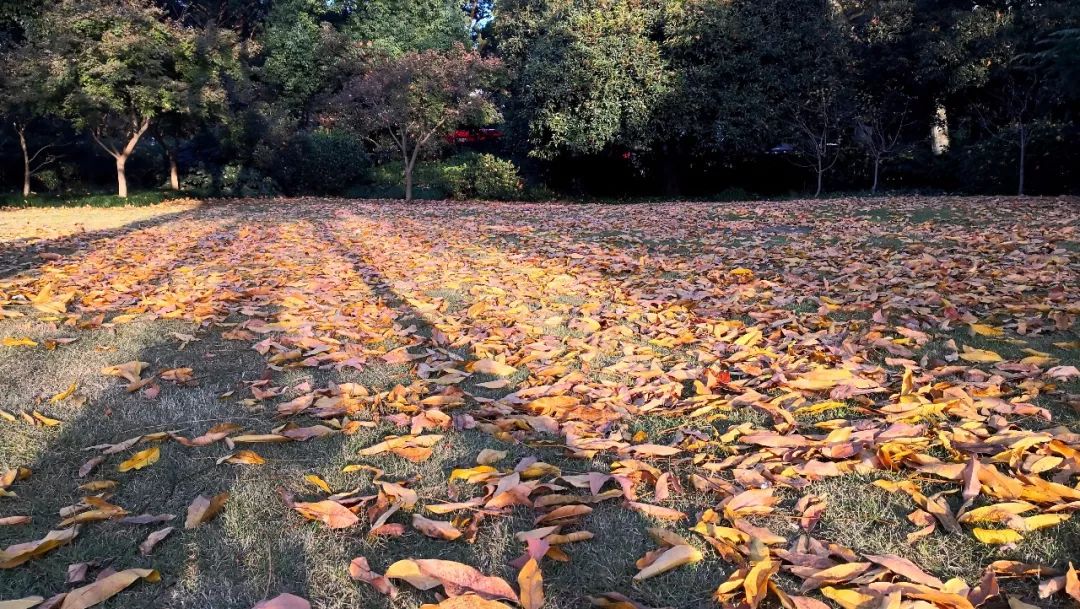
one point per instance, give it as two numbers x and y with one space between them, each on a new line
136 199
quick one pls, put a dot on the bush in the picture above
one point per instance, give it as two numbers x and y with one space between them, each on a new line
462 176
246 182
495 178
322 162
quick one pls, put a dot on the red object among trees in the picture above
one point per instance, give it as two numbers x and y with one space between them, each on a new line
473 136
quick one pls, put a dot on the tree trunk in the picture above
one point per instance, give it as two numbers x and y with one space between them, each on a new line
121 177
939 131
140 126
820 171
877 165
174 173
1023 154
408 181
26 161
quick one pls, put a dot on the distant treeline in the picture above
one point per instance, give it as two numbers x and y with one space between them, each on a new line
534 98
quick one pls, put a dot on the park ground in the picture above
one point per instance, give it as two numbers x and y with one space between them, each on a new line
804 393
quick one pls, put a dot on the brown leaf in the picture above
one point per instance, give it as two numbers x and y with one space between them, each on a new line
283 601
332 513
360 571
673 557
147 546
457 579
202 509
17 554
106 588
435 528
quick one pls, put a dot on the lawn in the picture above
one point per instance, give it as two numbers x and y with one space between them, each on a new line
851 403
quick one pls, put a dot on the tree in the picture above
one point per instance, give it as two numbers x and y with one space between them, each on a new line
1012 113
123 57
303 56
399 26
588 76
207 73
28 94
879 131
406 103
815 127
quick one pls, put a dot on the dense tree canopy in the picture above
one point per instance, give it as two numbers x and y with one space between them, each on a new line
613 96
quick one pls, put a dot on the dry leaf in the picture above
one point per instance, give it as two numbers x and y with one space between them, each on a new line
202 509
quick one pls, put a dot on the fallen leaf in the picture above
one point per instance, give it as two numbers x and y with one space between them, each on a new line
141 459
331 513
202 509
673 557
283 601
107 587
360 571
147 546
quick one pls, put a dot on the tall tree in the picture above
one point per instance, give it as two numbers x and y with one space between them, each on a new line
303 55
208 73
123 57
588 75
31 92
407 103
398 26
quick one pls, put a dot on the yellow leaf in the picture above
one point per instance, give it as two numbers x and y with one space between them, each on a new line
850 599
818 408
996 536
821 379
17 342
981 356
44 420
242 457
141 459
65 394
986 330
106 588
480 471
1042 521
318 482
531 585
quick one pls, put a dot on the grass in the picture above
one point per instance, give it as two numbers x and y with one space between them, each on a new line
134 199
258 547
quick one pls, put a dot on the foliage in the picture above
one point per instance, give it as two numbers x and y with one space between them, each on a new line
401 26
461 176
405 104
600 97
322 162
588 75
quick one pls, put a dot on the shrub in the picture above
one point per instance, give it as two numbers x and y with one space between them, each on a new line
242 181
462 176
495 178
322 162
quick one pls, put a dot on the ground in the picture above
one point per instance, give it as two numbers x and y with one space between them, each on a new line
778 376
